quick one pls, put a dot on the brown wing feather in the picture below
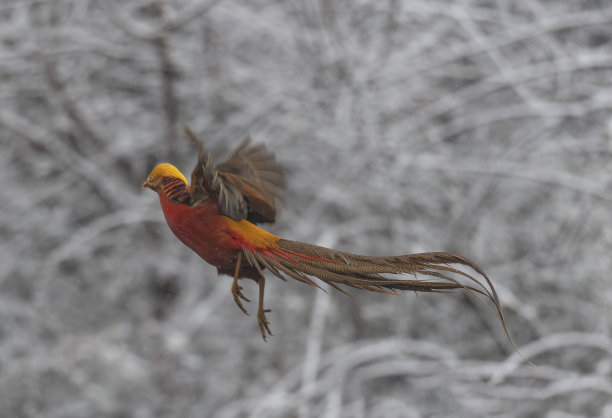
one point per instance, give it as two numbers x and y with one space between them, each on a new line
253 170
246 186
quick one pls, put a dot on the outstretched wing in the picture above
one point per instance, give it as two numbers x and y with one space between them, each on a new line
246 186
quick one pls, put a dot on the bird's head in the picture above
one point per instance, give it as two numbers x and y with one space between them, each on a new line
161 171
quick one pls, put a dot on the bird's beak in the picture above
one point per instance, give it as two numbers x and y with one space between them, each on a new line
146 184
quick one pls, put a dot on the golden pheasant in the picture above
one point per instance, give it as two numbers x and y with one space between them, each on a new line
215 216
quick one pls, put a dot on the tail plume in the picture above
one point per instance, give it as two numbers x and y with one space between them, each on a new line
303 261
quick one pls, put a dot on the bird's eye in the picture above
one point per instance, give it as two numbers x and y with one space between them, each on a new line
150 178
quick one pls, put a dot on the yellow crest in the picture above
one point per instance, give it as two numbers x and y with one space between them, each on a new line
168 170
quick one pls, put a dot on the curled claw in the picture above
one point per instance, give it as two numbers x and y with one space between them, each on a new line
236 288
237 292
264 324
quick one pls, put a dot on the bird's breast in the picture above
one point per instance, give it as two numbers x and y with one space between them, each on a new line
202 229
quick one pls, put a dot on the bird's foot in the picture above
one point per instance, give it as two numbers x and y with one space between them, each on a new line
264 324
237 292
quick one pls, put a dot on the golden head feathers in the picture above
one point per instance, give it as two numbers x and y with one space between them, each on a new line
167 170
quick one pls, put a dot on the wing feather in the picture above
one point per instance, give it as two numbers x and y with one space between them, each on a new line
246 186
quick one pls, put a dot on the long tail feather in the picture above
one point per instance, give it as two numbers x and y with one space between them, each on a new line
302 262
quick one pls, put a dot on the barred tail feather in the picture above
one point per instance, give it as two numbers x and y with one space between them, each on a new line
303 262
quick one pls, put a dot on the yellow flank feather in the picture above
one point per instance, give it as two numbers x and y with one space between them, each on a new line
253 235
168 170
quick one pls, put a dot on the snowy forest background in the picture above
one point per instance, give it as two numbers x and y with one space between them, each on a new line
477 127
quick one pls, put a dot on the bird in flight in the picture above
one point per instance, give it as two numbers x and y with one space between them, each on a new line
216 216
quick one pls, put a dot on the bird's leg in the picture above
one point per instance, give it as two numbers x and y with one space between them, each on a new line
236 288
264 325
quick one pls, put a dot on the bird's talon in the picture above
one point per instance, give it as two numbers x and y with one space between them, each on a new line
236 291
244 298
237 300
264 324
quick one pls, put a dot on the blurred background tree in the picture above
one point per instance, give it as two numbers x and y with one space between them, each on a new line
478 127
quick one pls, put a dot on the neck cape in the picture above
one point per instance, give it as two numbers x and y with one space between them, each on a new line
176 190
